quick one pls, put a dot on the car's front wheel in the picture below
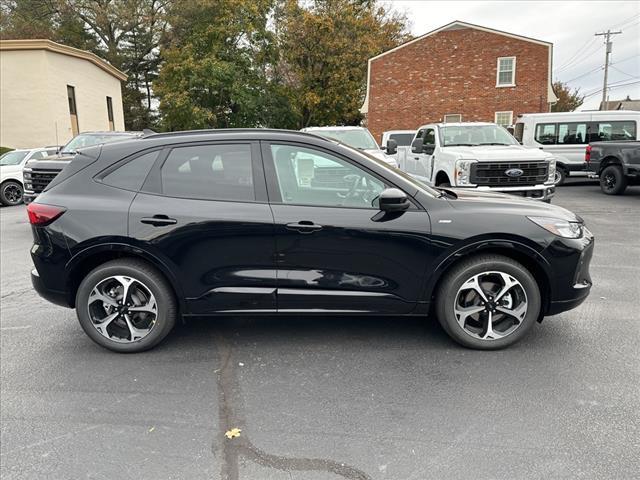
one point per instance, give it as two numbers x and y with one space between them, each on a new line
126 306
612 180
488 302
11 193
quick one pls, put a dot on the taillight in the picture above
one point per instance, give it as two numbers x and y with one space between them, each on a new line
587 154
41 214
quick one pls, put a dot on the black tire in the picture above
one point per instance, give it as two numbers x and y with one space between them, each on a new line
153 280
561 176
612 180
11 193
446 298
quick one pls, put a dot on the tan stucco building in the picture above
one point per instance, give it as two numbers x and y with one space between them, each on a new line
49 92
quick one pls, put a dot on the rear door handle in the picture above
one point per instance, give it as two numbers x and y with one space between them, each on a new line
159 220
304 226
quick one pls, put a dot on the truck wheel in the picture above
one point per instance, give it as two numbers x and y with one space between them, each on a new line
560 177
11 193
612 180
488 302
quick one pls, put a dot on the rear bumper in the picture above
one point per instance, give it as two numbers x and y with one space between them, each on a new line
53 296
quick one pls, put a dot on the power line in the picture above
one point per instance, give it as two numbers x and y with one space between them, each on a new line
585 74
576 55
611 88
624 73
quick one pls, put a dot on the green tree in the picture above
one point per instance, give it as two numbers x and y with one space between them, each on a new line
568 100
325 48
216 63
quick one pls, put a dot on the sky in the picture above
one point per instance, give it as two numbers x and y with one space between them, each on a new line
578 55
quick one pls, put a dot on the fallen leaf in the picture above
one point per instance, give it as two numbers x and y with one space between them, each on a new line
152 429
241 364
233 433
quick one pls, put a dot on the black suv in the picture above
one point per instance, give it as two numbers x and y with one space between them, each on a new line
134 234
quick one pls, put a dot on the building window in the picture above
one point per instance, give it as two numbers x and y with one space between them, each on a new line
452 118
73 110
504 118
506 74
110 113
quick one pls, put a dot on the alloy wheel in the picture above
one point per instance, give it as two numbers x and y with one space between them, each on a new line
12 193
609 181
122 309
490 305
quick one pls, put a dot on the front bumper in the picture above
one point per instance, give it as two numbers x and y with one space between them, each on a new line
28 196
537 192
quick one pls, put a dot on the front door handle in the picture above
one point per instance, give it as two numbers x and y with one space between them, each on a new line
304 226
159 220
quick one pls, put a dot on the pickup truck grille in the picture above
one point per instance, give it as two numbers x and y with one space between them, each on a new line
36 180
494 174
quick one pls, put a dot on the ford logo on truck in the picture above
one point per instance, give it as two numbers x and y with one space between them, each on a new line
514 172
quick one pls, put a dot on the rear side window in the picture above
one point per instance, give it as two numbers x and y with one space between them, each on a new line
210 172
131 175
612 131
546 133
572 133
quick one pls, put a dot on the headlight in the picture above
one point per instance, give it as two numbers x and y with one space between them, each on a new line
463 172
559 227
552 171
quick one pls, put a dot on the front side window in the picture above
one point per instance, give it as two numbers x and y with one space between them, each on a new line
506 75
546 133
209 172
612 131
13 158
131 175
430 137
311 177
572 133
504 118
519 132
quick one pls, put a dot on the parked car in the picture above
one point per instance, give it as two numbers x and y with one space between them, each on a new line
400 145
483 156
135 234
616 164
566 134
356 137
11 179
38 173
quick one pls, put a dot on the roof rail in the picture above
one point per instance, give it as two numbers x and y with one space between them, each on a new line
221 131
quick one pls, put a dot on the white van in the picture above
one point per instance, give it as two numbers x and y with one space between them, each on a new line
566 134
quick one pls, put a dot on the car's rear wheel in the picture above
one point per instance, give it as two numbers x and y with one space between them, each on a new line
126 306
488 302
11 193
612 180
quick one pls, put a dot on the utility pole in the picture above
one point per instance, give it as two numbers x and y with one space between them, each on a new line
608 43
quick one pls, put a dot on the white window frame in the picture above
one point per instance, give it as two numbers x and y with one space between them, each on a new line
458 115
513 73
510 112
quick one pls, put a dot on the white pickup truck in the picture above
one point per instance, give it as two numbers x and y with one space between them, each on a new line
484 156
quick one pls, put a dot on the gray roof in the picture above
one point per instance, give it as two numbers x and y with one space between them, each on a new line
626 104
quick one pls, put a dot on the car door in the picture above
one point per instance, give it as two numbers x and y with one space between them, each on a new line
336 252
203 210
421 164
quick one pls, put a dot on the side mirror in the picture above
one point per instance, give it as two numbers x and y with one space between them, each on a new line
392 147
429 148
416 145
393 200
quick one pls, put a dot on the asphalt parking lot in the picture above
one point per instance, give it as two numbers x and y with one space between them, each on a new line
330 398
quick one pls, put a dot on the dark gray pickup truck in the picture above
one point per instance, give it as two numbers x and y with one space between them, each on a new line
616 164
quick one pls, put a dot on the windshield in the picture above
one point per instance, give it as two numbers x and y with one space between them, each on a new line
474 135
13 158
360 138
402 139
86 140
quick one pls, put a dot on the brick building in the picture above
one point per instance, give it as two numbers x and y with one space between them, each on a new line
458 72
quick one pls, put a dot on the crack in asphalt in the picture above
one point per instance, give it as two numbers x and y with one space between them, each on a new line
230 412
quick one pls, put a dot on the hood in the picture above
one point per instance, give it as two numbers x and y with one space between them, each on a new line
380 155
52 162
498 153
501 202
